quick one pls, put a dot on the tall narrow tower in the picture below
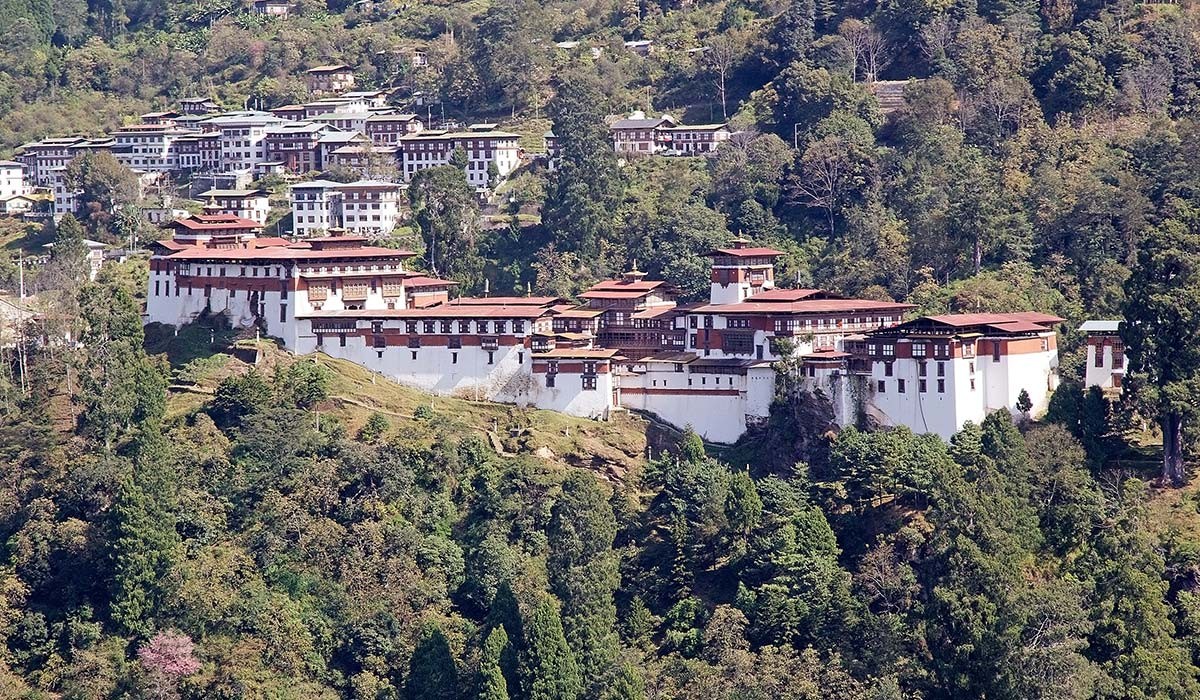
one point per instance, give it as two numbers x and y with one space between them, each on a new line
740 271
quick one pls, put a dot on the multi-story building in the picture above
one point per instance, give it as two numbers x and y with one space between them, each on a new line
148 147
164 118
331 79
12 179
272 8
488 151
40 158
639 134
344 120
858 357
198 105
368 98
386 129
296 145
198 152
935 373
64 195
553 150
331 141
371 207
695 139
1105 354
242 135
316 207
253 205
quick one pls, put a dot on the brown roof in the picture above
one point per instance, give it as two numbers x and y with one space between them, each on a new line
511 301
613 294
209 222
655 312
792 295
423 281
578 354
746 252
438 311
963 320
625 285
804 306
579 313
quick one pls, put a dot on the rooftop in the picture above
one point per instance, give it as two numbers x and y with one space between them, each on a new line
1100 326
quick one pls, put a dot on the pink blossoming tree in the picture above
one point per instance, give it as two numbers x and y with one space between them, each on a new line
168 657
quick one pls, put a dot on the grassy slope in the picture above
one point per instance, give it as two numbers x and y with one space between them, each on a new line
612 449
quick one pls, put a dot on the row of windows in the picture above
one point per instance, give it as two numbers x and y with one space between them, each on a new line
922 386
445 327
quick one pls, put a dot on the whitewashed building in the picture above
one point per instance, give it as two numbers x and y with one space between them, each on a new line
1105 354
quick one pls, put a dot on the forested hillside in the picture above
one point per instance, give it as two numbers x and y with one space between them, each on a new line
177 523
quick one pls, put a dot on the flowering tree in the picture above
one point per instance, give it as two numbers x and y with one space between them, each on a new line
168 657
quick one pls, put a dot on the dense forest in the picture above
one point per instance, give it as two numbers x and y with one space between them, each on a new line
174 531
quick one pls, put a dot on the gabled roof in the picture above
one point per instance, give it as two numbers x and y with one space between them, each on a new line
772 295
622 285
964 320
233 193
804 306
331 68
512 301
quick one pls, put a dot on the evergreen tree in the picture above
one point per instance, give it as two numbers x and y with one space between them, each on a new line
431 671
628 685
69 255
583 571
492 685
548 667
446 214
505 613
1162 332
586 188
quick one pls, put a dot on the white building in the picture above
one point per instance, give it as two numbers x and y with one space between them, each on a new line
1105 354
245 204
316 207
487 149
64 196
241 142
371 207
148 147
12 179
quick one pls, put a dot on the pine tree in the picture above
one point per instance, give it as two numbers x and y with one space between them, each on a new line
548 667
583 571
506 614
1162 331
492 685
583 196
431 671
628 685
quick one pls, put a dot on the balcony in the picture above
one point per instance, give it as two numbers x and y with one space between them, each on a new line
489 343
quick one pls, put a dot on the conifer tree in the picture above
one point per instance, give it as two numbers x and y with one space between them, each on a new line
548 667
628 685
431 671
583 571
492 685
506 614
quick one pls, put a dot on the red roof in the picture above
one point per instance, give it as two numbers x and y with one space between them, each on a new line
511 301
578 354
423 281
746 252
625 285
209 222
291 252
804 306
438 311
792 295
609 294
987 319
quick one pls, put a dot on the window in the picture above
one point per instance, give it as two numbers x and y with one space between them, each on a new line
941 386
971 368
972 384
156 289
446 326
708 321
520 358
921 386
1118 350
283 313
342 340
889 350
454 342
500 326
919 349
481 326
550 379
995 351
518 326
1099 361
410 327
922 368
491 358
900 385
413 354
454 358
887 369
968 349
941 369
589 382
414 341
427 326
691 321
